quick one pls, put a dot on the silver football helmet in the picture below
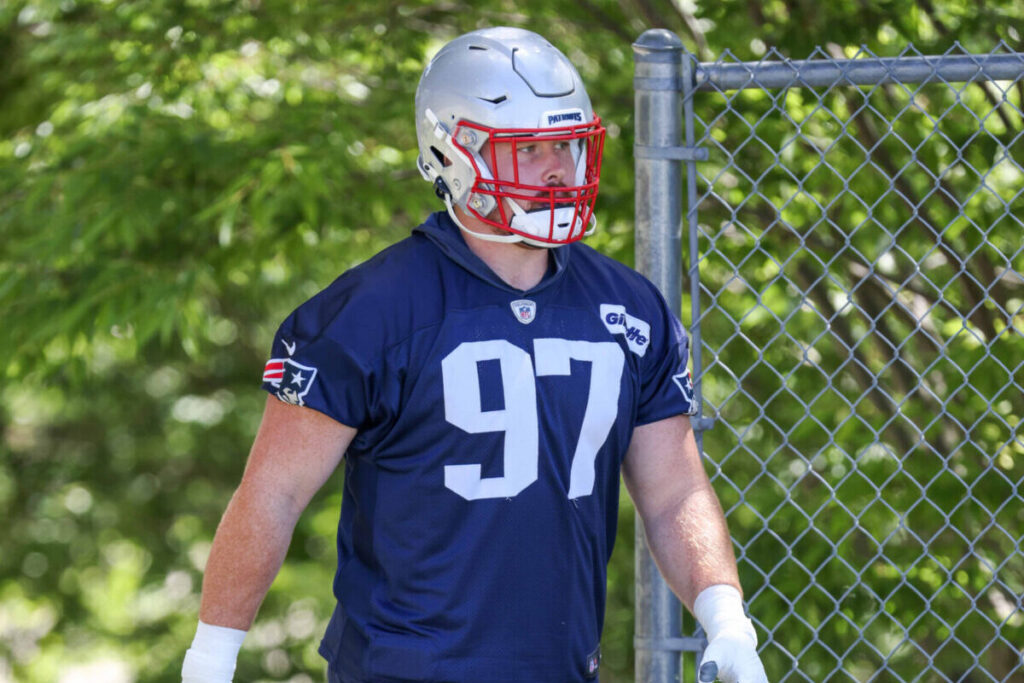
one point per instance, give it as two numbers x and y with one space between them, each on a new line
508 86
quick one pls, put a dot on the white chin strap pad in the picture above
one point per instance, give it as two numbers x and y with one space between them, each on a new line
535 223
567 223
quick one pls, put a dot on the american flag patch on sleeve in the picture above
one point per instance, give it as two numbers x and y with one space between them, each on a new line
273 371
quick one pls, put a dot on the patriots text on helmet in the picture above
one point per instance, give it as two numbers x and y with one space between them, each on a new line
576 116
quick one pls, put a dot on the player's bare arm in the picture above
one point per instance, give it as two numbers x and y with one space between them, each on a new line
683 520
295 451
689 540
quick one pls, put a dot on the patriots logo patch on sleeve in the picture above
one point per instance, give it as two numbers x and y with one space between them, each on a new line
292 380
685 384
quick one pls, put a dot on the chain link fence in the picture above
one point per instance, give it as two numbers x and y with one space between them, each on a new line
856 272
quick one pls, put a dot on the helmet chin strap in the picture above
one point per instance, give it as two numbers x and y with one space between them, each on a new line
526 222
510 238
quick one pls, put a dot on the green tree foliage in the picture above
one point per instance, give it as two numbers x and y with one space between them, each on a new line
175 176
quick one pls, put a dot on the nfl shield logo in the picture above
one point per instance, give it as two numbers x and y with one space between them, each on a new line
593 664
524 310
295 382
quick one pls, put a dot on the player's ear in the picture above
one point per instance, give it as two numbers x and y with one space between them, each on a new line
441 158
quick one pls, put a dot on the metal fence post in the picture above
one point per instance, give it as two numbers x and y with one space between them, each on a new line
657 54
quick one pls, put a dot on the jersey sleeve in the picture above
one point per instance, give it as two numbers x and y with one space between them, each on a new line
312 365
666 387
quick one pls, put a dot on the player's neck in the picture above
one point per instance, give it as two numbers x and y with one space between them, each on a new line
517 264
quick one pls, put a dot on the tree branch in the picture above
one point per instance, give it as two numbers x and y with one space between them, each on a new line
929 9
650 15
841 330
690 22
974 294
608 21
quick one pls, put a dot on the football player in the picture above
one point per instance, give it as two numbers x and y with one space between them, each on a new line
484 383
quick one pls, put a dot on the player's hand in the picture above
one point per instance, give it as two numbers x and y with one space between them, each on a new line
211 659
734 655
731 655
202 668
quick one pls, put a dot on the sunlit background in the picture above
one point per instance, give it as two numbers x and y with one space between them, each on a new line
175 177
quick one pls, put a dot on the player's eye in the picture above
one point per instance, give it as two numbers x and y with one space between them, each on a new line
526 147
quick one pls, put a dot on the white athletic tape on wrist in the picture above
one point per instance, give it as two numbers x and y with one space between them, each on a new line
719 609
211 659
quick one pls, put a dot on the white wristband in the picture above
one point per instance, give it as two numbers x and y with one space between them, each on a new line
719 608
211 659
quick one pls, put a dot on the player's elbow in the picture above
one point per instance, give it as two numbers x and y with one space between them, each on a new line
274 505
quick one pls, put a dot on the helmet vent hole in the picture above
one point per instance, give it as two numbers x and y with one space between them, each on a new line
497 100
477 47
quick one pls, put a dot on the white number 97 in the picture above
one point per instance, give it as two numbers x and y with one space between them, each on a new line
518 419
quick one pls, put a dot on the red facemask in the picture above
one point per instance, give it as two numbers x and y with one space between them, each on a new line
550 175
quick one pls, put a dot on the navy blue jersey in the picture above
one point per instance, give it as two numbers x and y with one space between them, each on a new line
481 490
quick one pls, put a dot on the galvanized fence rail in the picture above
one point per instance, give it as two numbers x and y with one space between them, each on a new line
854 230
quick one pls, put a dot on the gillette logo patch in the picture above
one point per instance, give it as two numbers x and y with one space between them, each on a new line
636 331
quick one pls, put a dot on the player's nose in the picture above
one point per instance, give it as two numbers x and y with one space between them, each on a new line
553 164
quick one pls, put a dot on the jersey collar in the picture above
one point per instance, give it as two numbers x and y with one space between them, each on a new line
440 229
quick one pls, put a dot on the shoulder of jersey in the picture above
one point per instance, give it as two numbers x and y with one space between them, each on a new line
597 269
389 287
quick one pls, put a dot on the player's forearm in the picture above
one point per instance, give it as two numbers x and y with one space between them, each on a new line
247 553
690 543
